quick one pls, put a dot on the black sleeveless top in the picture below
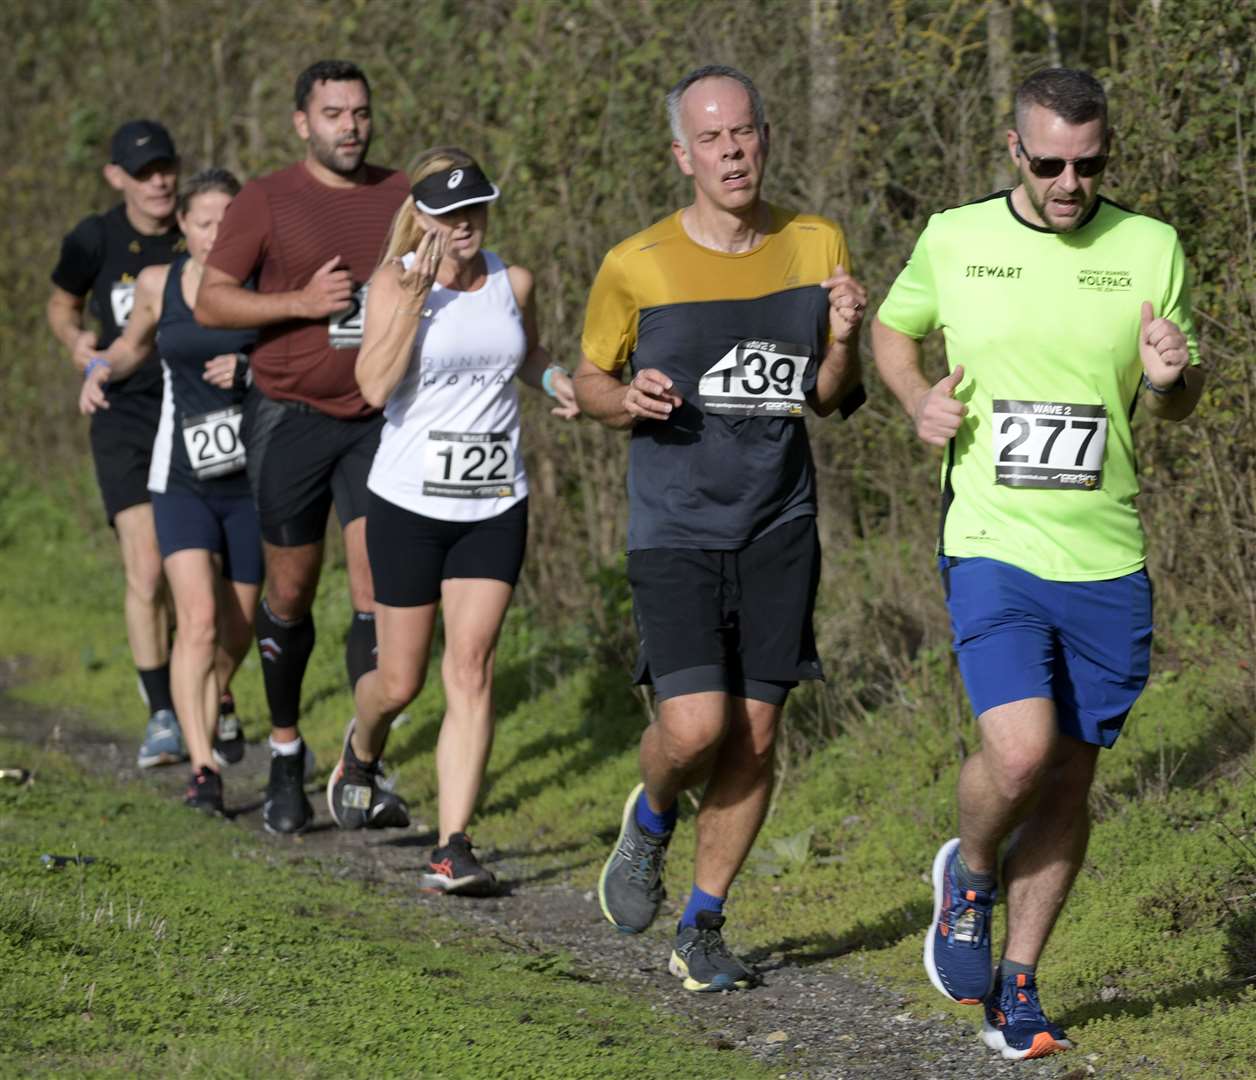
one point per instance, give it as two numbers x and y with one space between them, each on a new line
197 447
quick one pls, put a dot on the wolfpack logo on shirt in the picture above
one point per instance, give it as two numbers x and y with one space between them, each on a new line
1105 280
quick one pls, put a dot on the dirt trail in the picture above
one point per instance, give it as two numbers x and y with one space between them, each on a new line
804 1021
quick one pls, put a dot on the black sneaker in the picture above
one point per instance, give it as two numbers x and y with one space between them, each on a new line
228 736
702 959
204 791
630 888
357 798
455 869
286 809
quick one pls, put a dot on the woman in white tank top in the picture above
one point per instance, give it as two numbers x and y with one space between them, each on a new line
448 326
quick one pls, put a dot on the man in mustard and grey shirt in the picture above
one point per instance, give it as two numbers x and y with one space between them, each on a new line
1062 313
734 315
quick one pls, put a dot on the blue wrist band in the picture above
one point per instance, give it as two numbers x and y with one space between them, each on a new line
547 379
94 363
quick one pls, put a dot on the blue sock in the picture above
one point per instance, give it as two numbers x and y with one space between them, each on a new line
700 901
658 824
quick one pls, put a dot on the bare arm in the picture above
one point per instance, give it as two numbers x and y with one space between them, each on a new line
934 412
135 345
537 361
224 302
1179 403
394 305
65 320
605 397
840 370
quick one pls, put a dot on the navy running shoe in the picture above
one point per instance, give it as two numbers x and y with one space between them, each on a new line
703 961
1015 1024
957 948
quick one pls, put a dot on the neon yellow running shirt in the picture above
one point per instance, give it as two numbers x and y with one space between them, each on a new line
1042 473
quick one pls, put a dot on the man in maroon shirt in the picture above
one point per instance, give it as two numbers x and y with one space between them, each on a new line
309 237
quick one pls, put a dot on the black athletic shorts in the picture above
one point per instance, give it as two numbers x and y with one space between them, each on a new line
411 554
122 438
301 460
733 621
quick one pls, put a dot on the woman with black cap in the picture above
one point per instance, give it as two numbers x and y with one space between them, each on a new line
448 327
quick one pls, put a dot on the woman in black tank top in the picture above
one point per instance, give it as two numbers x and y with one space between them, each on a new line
207 527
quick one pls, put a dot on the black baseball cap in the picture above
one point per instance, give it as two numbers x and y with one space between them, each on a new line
453 189
139 143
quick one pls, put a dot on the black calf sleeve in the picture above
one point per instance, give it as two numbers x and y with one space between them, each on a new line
361 652
285 646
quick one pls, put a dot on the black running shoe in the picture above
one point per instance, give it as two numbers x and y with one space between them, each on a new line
228 736
455 869
357 798
286 809
204 791
702 959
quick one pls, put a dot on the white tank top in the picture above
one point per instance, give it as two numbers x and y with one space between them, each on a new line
450 444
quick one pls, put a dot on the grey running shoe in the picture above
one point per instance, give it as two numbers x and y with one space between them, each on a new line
356 796
702 959
455 869
228 735
630 889
163 742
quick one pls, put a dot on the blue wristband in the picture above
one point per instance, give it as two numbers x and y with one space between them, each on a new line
547 379
94 363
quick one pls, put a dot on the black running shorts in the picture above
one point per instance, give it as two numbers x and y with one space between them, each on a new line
300 461
411 554
732 621
122 438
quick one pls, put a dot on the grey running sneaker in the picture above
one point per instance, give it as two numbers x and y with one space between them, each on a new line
630 889
229 736
163 742
702 959
356 796
455 869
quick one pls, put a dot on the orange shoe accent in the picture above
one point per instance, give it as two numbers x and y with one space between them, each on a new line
968 1001
970 895
1021 979
1043 1045
944 929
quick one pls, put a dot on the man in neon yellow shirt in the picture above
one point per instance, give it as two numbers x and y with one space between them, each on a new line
1062 313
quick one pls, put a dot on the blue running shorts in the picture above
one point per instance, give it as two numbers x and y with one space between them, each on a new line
223 524
1086 645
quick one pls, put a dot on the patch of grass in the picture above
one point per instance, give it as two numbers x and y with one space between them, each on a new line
190 948
1152 966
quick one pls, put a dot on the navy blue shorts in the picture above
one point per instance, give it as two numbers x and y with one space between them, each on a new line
1085 645
224 525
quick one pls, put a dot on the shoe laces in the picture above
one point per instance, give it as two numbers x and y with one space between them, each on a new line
1019 1002
647 863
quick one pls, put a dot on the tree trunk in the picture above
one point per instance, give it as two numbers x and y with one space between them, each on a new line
999 54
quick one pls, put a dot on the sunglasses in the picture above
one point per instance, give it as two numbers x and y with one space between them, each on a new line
1046 168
